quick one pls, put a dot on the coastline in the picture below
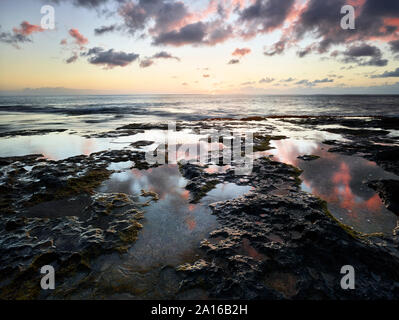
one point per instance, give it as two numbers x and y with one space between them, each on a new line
275 242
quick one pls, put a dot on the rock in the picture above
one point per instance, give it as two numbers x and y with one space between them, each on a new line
388 190
273 247
308 157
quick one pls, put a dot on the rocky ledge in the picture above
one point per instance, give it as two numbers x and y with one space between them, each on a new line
51 214
278 242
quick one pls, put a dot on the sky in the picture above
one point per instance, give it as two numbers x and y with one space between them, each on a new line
199 47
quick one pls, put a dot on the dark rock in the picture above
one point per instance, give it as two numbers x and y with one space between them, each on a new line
388 190
308 157
287 247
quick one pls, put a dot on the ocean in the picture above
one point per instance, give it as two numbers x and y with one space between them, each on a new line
80 112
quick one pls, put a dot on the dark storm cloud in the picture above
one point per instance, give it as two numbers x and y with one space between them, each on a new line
387 74
104 29
110 58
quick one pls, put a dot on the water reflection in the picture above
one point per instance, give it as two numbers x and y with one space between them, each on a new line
55 146
173 227
340 180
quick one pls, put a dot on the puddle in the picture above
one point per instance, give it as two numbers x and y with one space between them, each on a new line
120 166
55 146
172 226
341 181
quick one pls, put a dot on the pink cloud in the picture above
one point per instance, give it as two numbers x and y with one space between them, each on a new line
241 52
79 38
27 29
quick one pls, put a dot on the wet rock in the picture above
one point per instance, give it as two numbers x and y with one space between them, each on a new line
110 222
388 190
262 141
307 157
364 133
141 143
52 214
30 132
287 247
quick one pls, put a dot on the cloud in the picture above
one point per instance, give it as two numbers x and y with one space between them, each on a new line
146 63
325 80
26 29
110 58
266 80
394 46
104 29
172 23
20 35
364 55
241 52
234 61
287 80
13 39
387 74
192 33
166 15
79 38
304 52
265 15
164 55
308 83
248 83
72 59
277 48
320 20
83 3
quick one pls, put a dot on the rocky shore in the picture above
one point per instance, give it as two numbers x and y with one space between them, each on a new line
275 242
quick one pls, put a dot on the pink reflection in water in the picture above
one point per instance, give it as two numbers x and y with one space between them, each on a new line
341 181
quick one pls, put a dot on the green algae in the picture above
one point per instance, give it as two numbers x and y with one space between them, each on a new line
262 142
149 194
202 192
128 236
349 230
74 186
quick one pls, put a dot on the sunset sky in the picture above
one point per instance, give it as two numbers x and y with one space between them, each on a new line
204 46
